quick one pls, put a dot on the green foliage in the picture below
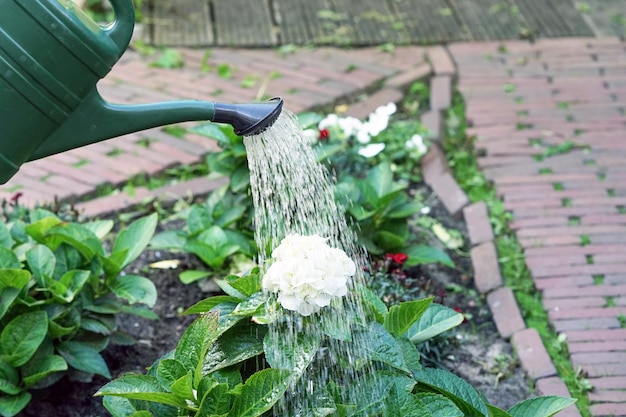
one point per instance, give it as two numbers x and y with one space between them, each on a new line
218 232
60 292
227 364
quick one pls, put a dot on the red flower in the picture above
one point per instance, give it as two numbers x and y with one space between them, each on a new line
15 197
399 258
324 134
458 310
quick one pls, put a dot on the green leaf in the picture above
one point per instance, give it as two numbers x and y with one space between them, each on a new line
375 304
6 241
497 412
461 393
135 237
169 239
169 59
39 228
381 346
7 296
77 236
183 386
216 401
390 241
405 210
307 120
260 392
14 278
140 387
73 281
251 305
13 404
42 368
436 320
438 405
22 336
168 371
247 285
423 254
134 289
230 290
187 277
213 131
410 354
235 345
401 317
295 354
41 261
198 219
100 228
541 406
208 304
381 177
402 403
83 357
9 379
240 179
195 342
8 259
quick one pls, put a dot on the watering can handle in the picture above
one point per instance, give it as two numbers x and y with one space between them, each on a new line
121 30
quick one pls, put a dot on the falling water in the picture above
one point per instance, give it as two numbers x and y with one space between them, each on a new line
293 194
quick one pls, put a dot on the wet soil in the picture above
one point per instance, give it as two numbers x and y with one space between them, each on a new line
473 350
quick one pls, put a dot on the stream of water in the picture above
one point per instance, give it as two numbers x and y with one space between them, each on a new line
294 194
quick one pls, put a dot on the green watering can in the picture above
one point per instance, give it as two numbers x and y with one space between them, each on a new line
51 57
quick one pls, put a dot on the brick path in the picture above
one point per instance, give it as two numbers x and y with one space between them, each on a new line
569 208
523 99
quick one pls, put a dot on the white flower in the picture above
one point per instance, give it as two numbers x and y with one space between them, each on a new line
425 210
327 122
310 136
371 150
306 273
349 125
417 142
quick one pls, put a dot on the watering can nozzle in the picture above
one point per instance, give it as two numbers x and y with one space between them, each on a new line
251 118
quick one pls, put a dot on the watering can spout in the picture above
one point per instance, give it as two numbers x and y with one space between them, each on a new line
96 120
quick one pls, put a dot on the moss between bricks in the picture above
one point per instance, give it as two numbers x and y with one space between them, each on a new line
462 161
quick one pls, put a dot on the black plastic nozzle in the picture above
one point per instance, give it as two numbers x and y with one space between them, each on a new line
251 118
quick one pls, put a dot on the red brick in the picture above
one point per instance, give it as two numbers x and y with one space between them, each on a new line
556 386
477 221
486 268
587 323
193 188
433 121
599 290
578 230
506 313
574 250
449 192
591 335
607 396
408 77
434 163
441 60
599 346
558 304
537 262
599 357
440 92
604 369
362 109
536 242
578 269
532 354
608 409
608 382
580 281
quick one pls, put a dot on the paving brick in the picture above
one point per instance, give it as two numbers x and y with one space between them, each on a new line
608 409
506 313
598 346
559 282
604 369
558 304
406 78
556 386
591 335
585 324
450 193
599 357
433 121
440 92
607 396
362 109
440 60
486 268
598 290
608 382
477 221
532 354
434 163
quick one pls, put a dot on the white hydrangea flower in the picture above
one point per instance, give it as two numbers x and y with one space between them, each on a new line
306 273
349 125
417 142
371 150
328 121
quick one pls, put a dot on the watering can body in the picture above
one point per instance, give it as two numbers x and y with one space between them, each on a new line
51 58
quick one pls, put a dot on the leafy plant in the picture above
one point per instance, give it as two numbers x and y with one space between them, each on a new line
60 291
208 374
215 231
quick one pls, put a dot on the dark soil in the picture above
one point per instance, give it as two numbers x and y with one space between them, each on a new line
474 351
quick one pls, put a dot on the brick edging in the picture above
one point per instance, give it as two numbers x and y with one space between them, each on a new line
506 313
